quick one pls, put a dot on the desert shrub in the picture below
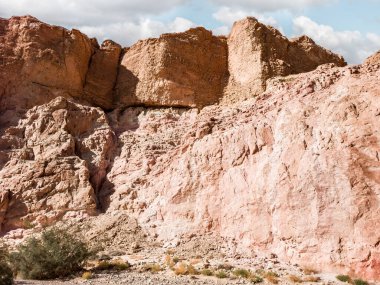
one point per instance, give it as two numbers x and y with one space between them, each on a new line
343 278
185 269
117 265
207 272
6 274
309 271
242 273
295 279
256 279
272 279
87 275
55 254
312 279
153 267
360 282
221 274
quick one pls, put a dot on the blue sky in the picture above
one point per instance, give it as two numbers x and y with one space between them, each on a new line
349 27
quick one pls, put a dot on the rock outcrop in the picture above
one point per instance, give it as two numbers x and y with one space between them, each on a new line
374 59
257 52
185 69
293 171
53 163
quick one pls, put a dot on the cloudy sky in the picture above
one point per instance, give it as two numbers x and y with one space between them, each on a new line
349 27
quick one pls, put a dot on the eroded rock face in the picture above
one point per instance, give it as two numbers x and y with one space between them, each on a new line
374 59
257 52
185 69
293 172
102 74
52 164
39 61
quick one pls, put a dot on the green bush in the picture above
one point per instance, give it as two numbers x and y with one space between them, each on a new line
221 274
256 279
6 274
360 282
343 278
242 273
55 254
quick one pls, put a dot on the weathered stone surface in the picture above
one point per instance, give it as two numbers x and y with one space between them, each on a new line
373 59
102 74
53 163
184 69
39 61
293 172
257 52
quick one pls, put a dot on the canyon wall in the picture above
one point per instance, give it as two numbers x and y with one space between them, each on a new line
105 130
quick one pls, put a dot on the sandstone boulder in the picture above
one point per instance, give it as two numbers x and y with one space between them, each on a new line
257 52
39 61
184 69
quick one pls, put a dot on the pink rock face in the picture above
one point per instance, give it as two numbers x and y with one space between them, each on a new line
294 172
52 164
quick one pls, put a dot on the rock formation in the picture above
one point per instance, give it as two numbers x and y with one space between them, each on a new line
257 52
292 171
186 69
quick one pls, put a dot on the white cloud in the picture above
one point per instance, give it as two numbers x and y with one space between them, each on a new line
86 12
124 21
127 33
353 45
271 5
227 16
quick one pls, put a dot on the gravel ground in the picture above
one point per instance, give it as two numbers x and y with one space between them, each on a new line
139 279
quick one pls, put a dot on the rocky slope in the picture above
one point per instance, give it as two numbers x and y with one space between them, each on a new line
88 129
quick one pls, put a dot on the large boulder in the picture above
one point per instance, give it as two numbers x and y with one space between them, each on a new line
257 52
183 69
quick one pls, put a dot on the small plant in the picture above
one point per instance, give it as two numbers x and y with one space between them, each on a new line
256 279
207 272
295 279
312 279
309 271
175 259
221 274
87 275
117 265
153 267
180 269
271 273
344 278
272 279
191 270
55 254
242 273
185 269
360 282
